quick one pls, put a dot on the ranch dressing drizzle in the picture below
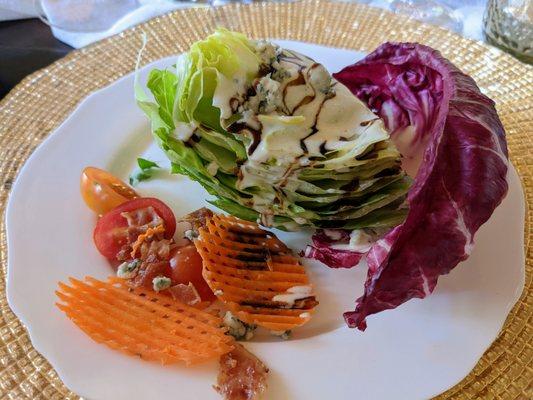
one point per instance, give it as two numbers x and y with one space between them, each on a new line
293 294
293 112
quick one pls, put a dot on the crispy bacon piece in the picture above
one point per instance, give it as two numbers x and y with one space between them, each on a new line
197 218
242 376
185 293
144 237
145 227
140 220
152 248
156 250
147 273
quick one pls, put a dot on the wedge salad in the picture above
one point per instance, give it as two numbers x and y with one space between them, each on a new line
396 160
274 137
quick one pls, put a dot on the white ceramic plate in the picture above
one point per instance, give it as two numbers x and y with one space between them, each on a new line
414 352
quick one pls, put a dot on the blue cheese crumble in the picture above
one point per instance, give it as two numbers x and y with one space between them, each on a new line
238 329
161 283
128 270
285 335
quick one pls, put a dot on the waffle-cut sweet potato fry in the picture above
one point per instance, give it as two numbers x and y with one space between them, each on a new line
255 274
143 323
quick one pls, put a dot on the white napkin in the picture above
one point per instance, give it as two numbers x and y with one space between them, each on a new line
16 9
141 14
469 12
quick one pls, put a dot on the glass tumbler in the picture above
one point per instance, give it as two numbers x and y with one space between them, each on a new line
508 24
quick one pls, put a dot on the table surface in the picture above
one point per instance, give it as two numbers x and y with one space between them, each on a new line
26 46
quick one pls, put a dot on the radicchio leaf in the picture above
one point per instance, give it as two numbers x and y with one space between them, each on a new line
324 250
453 140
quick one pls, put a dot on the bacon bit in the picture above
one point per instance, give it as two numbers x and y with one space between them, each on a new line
150 232
198 218
148 271
156 250
242 376
143 218
140 220
185 293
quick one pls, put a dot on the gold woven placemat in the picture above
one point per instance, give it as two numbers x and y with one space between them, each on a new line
44 99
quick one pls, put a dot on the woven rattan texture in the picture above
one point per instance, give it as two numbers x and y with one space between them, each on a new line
44 99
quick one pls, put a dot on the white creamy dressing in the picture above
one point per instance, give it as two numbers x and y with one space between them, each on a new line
334 112
184 131
236 85
212 168
297 112
224 91
280 139
341 117
301 112
360 242
293 294
250 118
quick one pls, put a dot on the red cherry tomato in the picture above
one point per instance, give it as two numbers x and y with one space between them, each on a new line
111 233
186 267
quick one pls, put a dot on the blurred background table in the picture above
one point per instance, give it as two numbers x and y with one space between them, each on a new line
25 46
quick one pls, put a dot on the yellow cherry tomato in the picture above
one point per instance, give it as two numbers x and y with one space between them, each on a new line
102 191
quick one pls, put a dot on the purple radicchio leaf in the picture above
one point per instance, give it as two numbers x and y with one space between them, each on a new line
325 249
453 141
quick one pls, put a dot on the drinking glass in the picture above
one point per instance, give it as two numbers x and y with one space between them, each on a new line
508 24
430 11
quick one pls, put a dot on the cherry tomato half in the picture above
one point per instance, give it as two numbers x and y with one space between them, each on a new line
111 233
102 191
186 267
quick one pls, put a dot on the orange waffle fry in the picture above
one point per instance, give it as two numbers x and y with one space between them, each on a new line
255 274
142 322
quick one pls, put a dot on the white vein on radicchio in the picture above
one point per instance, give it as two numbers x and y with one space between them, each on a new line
452 139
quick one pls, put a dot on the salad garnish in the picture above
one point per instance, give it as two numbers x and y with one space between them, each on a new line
145 172
102 191
276 139
186 295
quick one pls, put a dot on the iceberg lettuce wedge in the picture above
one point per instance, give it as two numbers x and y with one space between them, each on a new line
273 137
